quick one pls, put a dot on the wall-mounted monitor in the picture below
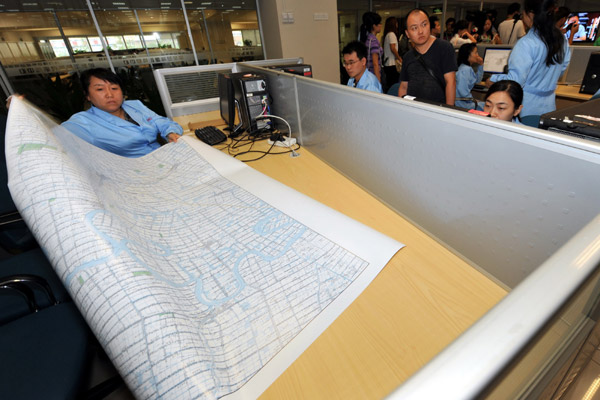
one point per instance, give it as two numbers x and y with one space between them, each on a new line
588 22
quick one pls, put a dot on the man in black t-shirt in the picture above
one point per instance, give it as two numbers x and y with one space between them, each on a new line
428 70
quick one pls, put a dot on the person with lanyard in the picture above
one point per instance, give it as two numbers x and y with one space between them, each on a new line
512 29
127 128
429 69
368 30
355 62
537 60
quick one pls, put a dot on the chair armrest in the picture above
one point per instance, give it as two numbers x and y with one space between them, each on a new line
10 218
24 291
23 282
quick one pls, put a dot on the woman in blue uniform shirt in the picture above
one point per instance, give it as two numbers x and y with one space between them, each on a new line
466 77
538 59
127 128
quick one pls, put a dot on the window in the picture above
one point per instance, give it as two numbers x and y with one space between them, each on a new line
133 41
79 44
59 48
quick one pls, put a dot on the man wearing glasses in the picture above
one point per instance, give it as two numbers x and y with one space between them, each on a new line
355 62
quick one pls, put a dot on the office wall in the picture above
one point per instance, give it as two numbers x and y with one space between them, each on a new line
314 40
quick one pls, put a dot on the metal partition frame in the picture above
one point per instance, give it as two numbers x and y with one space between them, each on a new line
210 104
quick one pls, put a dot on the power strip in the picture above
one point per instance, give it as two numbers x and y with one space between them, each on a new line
287 142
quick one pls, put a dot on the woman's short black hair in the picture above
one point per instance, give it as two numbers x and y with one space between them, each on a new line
100 73
514 90
464 52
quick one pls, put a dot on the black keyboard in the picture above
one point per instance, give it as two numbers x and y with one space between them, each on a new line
210 135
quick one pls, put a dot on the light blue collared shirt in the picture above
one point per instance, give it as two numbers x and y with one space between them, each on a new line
368 81
527 66
119 136
466 78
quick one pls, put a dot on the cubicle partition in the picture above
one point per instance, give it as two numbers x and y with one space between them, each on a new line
518 203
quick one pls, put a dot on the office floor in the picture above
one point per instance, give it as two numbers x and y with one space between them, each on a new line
587 385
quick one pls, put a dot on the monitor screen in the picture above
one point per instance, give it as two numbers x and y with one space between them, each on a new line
587 30
495 59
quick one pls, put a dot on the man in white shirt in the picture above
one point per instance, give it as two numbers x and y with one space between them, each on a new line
512 29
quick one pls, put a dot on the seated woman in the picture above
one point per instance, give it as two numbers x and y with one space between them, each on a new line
462 35
504 100
127 128
466 78
488 35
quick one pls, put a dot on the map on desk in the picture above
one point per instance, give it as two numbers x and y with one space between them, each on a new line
201 277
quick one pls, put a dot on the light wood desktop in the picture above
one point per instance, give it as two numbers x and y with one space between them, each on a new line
423 299
568 95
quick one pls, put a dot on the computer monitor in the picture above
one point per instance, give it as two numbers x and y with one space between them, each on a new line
296 69
591 78
495 59
588 26
227 100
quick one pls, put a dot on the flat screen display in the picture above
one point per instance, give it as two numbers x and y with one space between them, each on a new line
587 30
495 59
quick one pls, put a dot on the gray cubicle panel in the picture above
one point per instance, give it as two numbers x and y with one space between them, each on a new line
501 195
580 56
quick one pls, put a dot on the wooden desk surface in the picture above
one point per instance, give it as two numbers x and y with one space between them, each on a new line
571 92
421 301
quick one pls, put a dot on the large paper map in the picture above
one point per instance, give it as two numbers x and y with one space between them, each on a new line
194 284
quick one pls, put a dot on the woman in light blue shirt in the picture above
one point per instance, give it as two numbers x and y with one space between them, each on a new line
538 59
127 128
466 77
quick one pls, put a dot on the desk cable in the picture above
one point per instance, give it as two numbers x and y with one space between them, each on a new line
235 144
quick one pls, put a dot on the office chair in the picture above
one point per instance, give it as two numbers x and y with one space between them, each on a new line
470 99
531 120
47 349
33 262
393 90
44 353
